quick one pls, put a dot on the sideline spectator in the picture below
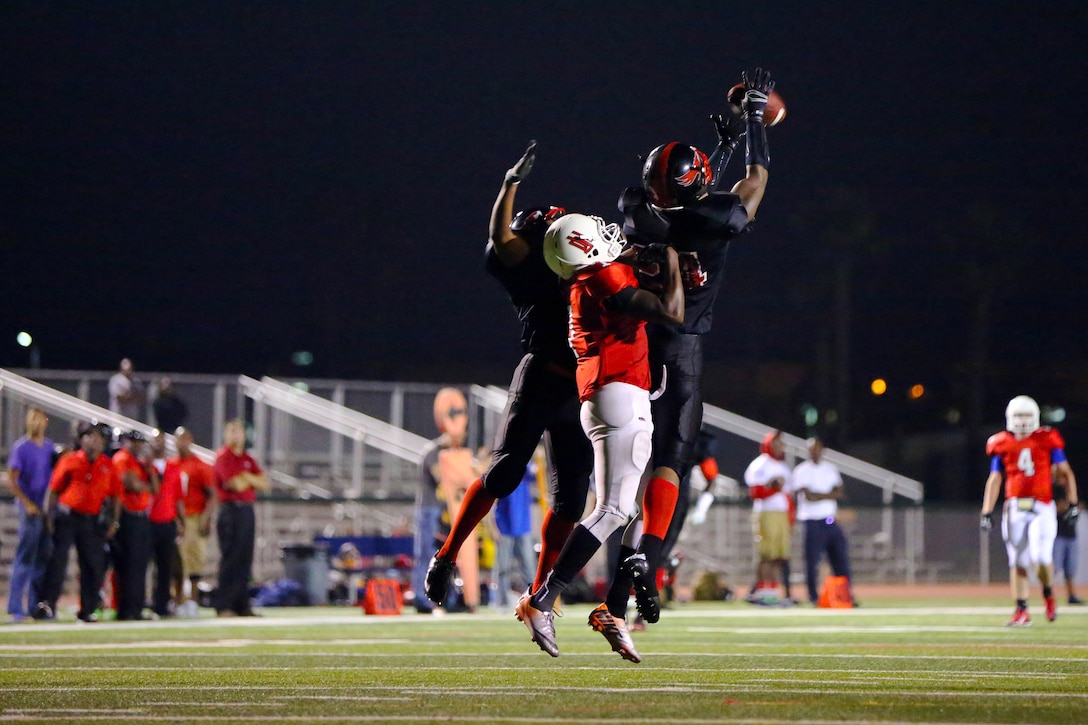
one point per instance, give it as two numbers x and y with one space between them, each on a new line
170 410
131 549
1065 543
84 483
30 464
514 521
127 395
197 480
238 478
819 488
167 518
768 478
449 469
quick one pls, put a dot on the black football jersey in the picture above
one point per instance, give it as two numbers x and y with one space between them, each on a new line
700 233
540 300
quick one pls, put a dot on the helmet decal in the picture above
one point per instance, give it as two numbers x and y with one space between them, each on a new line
700 167
575 239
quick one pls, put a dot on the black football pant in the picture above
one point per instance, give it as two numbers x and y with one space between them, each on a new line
824 536
83 531
130 551
164 551
678 412
236 527
543 399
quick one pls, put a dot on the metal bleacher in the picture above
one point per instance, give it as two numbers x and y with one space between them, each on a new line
343 458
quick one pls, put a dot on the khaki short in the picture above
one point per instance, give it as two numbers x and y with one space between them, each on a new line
194 547
774 535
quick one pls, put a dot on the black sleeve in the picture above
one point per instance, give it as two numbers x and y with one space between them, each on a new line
723 211
621 301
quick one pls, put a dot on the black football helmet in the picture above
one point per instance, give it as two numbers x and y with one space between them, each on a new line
676 174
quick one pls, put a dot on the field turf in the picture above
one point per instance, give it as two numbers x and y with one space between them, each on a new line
890 661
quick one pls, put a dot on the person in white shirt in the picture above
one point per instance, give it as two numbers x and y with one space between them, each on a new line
768 479
818 486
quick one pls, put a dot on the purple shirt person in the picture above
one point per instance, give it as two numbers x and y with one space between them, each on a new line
30 466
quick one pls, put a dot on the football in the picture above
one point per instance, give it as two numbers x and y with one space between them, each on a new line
776 107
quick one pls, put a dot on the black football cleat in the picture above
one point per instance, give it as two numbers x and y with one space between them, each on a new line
647 600
439 576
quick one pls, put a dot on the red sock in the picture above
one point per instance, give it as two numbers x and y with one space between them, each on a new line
658 504
474 506
554 533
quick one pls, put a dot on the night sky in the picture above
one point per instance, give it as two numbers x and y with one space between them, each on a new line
209 187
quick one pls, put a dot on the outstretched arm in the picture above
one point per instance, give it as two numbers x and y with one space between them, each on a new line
510 248
757 156
730 128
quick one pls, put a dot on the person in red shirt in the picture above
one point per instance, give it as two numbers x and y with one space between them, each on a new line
608 314
1025 452
238 478
167 518
198 497
131 550
84 483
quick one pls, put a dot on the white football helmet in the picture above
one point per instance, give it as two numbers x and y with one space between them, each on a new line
1022 416
576 241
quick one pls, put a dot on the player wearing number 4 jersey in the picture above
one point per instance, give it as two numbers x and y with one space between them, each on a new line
1025 452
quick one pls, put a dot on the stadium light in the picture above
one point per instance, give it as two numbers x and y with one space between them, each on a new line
812 416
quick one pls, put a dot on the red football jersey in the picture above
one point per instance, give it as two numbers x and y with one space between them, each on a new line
610 346
135 502
1027 462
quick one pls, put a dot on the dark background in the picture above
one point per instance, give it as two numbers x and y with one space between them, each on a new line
210 187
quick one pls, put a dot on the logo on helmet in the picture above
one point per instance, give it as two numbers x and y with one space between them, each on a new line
576 240
698 173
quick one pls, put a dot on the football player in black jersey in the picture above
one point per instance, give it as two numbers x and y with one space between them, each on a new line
543 396
680 205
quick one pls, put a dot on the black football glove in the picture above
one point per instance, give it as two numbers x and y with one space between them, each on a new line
756 91
651 261
653 254
986 523
1071 515
524 165
729 126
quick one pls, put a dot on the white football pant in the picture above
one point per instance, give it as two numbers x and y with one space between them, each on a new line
617 422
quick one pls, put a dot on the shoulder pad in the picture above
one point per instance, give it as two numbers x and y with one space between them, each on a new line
1053 437
631 196
724 210
996 441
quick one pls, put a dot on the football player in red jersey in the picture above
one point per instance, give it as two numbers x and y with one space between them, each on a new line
1025 452
608 314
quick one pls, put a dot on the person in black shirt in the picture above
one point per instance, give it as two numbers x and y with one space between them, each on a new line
543 397
680 205
1065 542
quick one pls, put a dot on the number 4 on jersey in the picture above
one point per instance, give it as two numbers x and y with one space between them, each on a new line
1025 463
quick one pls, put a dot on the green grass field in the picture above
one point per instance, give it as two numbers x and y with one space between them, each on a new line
949 660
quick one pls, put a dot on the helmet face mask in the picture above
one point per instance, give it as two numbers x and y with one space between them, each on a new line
1022 416
577 241
676 174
